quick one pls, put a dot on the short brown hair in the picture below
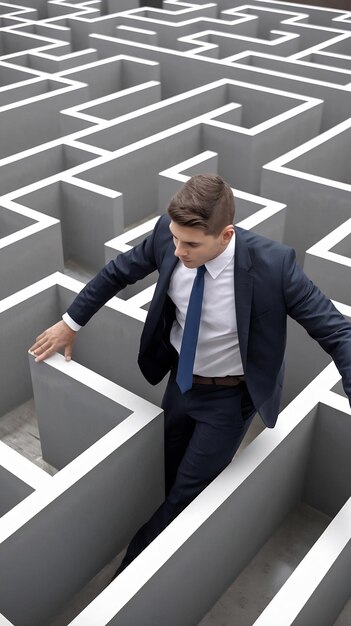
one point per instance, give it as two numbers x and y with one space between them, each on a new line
205 201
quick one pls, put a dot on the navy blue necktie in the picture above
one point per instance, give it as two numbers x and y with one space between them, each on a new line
190 334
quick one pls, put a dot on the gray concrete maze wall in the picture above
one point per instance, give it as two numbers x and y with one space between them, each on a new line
106 109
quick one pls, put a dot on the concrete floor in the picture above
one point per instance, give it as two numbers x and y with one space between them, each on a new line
258 583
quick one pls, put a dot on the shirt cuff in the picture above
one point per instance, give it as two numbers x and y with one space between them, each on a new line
71 323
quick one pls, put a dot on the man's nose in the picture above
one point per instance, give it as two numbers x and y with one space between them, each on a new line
179 250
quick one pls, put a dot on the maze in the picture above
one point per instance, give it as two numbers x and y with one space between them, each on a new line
106 109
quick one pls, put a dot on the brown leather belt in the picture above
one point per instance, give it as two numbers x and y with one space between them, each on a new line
228 381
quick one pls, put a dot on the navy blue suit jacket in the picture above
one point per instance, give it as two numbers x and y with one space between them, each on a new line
268 284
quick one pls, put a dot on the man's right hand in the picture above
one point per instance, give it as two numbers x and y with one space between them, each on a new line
52 339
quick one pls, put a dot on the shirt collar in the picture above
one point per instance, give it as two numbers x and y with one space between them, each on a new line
220 262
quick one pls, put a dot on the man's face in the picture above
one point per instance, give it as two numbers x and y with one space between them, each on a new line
194 247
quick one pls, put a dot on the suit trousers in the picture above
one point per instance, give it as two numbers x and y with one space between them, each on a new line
203 429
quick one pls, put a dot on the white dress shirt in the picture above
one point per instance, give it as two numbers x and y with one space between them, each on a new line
217 352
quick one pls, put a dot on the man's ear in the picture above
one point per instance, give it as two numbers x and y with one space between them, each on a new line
227 233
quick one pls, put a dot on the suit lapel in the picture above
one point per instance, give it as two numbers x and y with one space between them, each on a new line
156 309
243 285
168 265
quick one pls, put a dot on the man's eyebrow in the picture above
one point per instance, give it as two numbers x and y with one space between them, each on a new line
187 242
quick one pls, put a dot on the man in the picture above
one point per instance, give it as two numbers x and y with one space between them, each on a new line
217 322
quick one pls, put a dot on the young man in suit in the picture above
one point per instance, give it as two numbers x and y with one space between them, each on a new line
217 323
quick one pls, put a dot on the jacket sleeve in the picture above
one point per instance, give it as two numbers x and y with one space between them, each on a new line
125 269
317 314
